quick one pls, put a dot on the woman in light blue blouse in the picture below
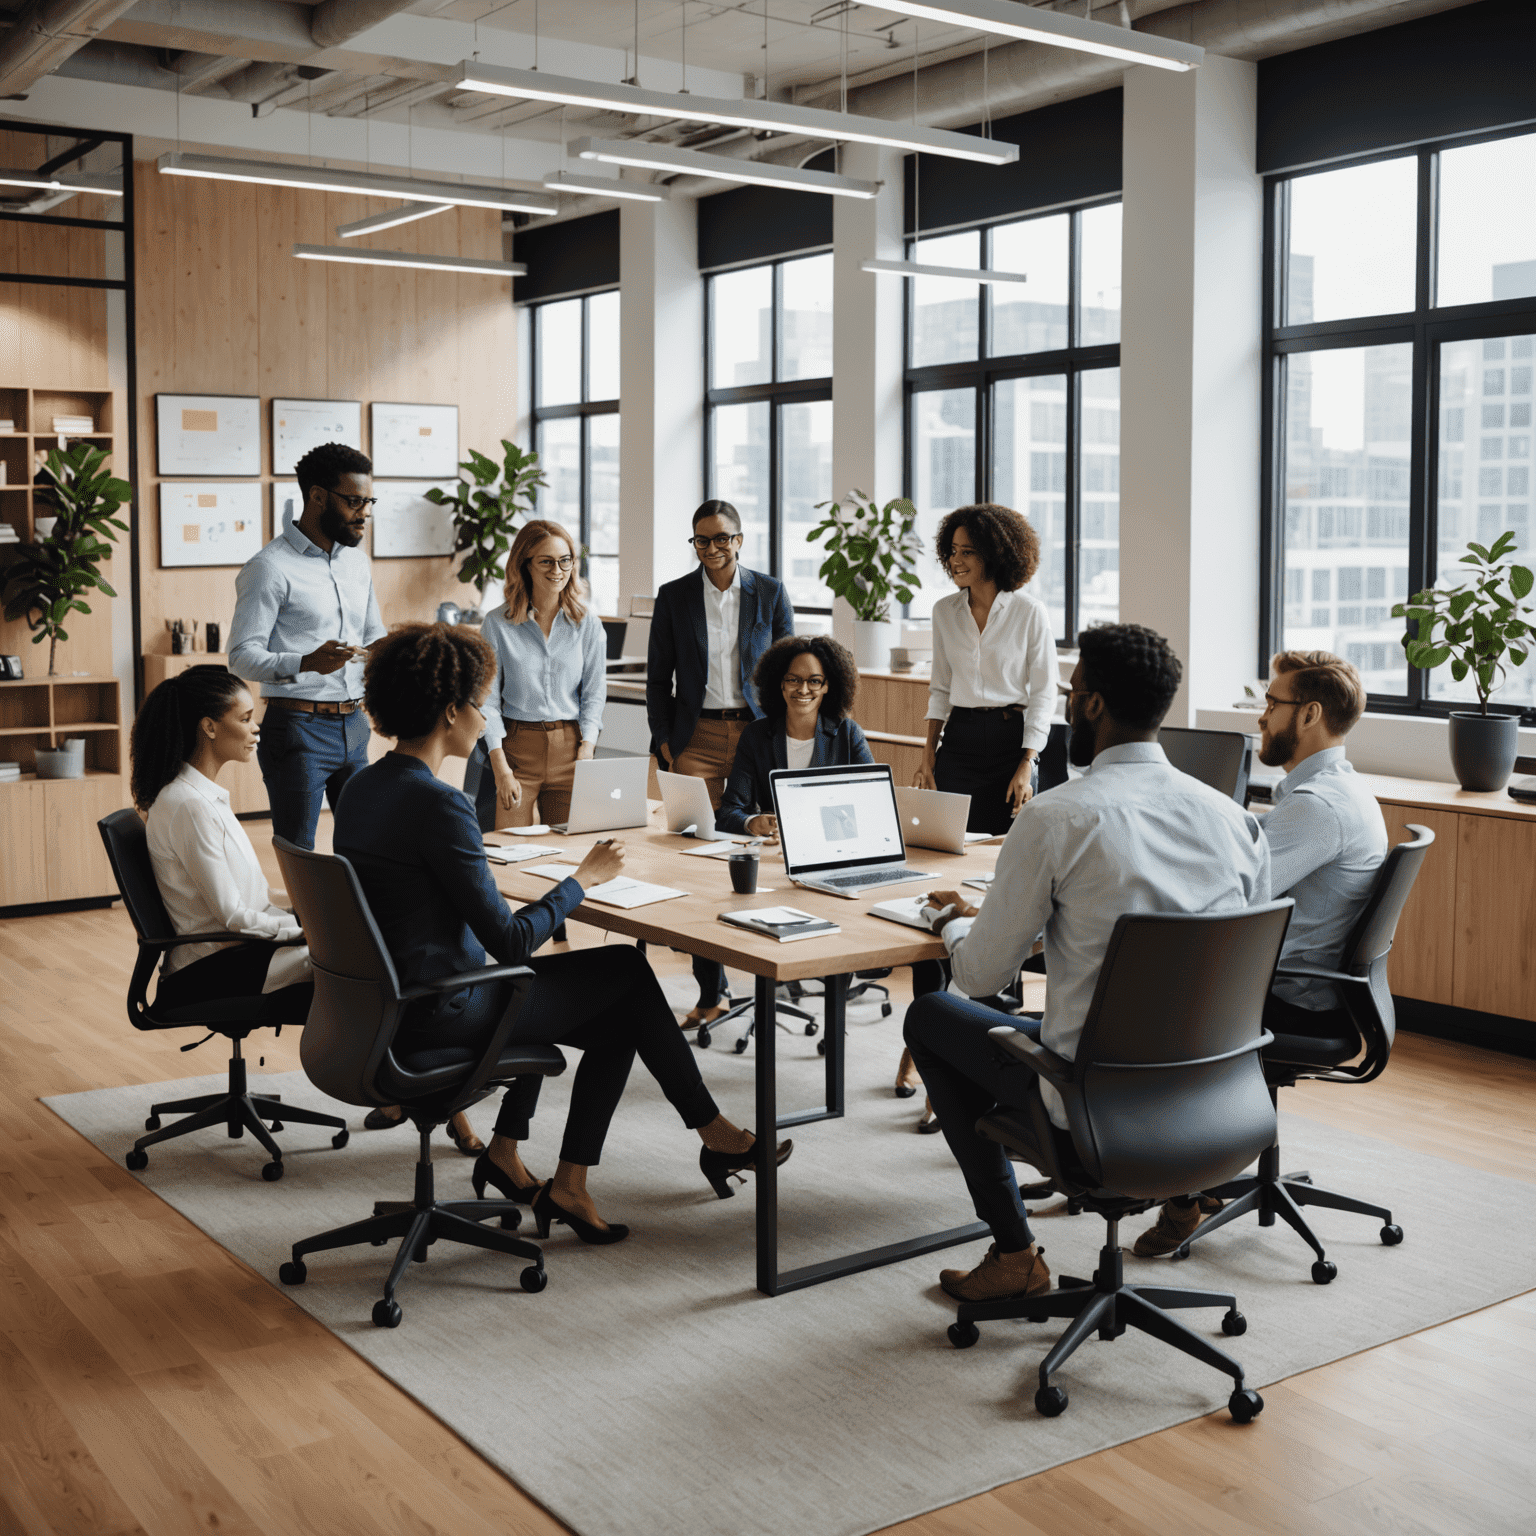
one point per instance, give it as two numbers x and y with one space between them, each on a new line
551 679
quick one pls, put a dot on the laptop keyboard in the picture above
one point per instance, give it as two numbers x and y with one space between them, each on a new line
877 877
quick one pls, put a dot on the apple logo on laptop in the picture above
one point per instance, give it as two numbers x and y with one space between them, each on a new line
917 821
617 794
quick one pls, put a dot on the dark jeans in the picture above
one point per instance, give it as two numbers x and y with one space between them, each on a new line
978 754
607 1004
306 759
238 971
964 1078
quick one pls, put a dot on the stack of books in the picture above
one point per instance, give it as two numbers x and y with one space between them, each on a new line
7 425
74 424
9 772
8 534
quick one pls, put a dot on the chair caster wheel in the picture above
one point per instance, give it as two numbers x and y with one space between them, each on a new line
821 1047
533 1279
511 1221
276 1125
341 1138
1050 1401
1234 1323
810 1029
885 1010
1074 1207
387 1314
272 1171
1245 1406
1392 1236
1324 1271
137 1160
963 1335
293 1272
376 1242
152 1123
702 1039
741 1046
1180 1253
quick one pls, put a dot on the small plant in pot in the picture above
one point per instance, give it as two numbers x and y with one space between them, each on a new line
1482 628
871 560
488 503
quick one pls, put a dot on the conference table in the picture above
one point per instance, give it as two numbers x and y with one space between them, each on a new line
691 923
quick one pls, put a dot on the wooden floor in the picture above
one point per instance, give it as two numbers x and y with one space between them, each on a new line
149 1382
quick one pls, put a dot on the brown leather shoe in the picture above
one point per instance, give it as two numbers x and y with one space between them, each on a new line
999 1277
1173 1227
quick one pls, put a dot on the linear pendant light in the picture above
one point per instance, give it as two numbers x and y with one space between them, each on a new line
407 213
661 157
923 269
774 116
361 256
1009 18
89 182
606 186
316 179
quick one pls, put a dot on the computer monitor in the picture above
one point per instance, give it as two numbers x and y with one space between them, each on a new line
1222 759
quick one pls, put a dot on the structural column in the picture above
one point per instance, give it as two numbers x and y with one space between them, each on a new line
661 390
1190 361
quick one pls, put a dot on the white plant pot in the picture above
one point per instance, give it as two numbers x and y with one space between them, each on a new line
872 642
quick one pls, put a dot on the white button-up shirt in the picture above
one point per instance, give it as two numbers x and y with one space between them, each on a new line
1011 661
210 878
722 627
1133 834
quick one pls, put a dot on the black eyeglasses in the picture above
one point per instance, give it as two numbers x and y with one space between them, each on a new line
1271 702
353 503
720 541
805 684
553 563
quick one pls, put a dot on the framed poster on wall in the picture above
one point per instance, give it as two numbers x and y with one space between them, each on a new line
299 425
287 504
212 523
408 526
207 434
415 440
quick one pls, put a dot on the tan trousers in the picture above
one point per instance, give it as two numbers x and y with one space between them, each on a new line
545 765
709 754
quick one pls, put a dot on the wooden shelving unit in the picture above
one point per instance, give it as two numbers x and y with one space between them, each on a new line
32 412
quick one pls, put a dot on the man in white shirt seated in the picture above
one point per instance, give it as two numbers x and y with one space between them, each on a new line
1132 835
1326 842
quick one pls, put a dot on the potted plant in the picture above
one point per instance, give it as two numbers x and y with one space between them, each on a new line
1483 628
488 503
47 579
871 559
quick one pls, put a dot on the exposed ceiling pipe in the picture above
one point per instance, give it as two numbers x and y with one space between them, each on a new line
200 70
45 33
257 82
334 22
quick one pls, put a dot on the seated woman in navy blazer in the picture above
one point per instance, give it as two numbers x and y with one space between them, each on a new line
805 685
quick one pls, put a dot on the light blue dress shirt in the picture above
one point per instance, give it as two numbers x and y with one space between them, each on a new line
1326 841
1133 834
562 678
289 600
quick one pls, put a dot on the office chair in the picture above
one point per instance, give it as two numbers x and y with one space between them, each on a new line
237 1109
747 1010
1167 1084
1367 1022
1222 759
349 1052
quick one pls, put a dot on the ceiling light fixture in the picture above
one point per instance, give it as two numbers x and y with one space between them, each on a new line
774 116
1025 23
317 179
407 213
363 257
922 269
606 186
661 157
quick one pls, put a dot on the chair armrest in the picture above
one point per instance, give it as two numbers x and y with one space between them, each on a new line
1019 1047
197 938
463 979
1359 981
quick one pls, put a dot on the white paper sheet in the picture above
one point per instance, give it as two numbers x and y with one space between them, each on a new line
622 892
516 854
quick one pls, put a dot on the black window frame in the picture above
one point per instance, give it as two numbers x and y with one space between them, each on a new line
983 372
775 392
1426 326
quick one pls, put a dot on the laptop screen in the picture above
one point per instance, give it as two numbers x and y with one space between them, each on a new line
834 818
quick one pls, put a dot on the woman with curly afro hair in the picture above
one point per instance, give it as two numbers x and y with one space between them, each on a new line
419 853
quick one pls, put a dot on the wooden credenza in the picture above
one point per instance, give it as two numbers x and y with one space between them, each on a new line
890 708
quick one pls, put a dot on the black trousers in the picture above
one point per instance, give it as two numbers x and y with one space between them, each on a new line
239 971
978 756
607 1004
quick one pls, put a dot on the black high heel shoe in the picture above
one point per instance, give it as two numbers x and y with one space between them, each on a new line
718 1167
546 1213
486 1172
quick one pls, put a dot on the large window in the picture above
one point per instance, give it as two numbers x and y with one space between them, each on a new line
576 430
1401 319
1013 395
770 414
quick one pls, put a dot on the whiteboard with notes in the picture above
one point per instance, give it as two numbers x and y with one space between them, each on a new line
414 441
208 434
214 523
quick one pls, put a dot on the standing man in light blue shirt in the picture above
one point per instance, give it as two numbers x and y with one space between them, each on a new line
305 618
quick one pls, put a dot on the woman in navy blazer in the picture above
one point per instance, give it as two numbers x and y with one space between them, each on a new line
806 685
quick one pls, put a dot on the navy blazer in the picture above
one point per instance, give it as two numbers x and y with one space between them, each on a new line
761 750
677 662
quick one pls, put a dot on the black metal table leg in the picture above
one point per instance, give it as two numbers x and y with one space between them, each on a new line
834 1018
767 1120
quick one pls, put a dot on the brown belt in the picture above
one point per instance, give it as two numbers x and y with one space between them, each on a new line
538 725
725 714
316 706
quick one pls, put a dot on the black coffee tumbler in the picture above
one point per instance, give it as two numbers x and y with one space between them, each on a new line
744 873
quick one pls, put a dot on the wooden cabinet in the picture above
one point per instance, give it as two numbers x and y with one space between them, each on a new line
31 412
1421 963
23 845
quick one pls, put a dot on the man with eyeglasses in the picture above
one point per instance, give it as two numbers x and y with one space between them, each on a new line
305 618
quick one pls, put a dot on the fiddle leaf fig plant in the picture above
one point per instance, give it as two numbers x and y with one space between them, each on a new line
871 553
488 502
1482 627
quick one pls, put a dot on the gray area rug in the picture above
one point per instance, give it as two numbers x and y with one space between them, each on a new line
650 1388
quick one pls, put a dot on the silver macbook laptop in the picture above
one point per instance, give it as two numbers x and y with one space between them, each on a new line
607 794
686 807
930 818
839 829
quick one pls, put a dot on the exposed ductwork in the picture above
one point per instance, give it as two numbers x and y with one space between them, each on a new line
47 32
334 22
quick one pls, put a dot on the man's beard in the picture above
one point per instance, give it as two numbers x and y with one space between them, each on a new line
1080 743
1281 747
338 530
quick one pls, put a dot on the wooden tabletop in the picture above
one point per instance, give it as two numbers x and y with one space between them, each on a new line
691 922
1432 795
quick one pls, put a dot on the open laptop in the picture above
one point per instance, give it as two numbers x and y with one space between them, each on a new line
607 794
686 807
932 818
840 830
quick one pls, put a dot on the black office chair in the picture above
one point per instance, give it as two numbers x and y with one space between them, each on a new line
237 1109
1166 1087
783 1012
1222 759
348 1052
1363 1028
